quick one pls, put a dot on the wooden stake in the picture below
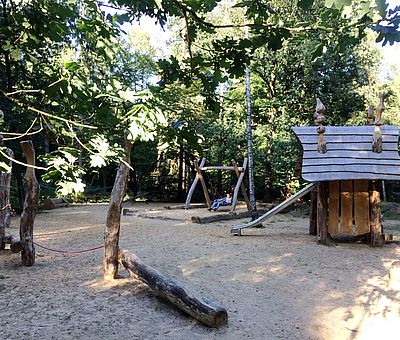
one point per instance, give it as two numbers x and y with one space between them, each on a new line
209 313
203 184
377 143
239 184
111 232
194 184
30 206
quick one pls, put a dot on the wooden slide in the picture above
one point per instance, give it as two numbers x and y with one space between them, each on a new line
236 231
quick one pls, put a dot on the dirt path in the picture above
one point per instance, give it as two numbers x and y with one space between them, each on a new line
275 282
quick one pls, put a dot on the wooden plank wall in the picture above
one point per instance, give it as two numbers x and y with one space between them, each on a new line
349 212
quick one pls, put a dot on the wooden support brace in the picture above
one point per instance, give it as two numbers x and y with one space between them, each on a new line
30 206
209 313
313 230
242 187
194 184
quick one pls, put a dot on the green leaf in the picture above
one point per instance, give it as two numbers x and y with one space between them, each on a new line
305 4
381 5
71 66
337 3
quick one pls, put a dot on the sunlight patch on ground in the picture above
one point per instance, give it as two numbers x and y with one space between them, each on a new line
375 313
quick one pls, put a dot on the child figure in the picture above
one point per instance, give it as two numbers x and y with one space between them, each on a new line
221 202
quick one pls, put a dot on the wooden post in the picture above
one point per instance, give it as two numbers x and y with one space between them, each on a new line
111 232
5 207
377 143
203 184
30 206
194 184
377 239
211 314
239 184
319 121
322 211
313 230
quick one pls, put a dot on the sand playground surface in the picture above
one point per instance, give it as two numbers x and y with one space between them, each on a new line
276 282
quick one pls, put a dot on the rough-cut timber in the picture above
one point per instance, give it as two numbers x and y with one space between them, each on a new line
322 210
207 312
349 153
111 232
375 215
5 207
30 206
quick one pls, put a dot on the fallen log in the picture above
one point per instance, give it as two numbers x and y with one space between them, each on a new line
15 244
207 312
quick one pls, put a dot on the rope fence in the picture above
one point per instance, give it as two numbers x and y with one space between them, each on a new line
79 251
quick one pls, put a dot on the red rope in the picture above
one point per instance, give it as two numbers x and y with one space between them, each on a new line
68 251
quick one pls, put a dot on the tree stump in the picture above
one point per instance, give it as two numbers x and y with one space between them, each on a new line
30 206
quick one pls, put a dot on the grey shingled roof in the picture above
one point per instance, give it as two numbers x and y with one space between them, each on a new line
349 153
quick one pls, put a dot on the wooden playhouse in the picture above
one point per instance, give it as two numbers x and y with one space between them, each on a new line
346 162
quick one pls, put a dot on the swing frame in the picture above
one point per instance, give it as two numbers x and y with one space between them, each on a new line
239 171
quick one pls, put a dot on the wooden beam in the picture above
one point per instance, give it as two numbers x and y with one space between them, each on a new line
322 210
194 184
217 167
111 232
5 207
237 187
207 312
30 206
242 186
203 185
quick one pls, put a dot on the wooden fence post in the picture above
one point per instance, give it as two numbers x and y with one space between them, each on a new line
30 206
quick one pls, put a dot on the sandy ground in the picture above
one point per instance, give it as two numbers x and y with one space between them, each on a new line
276 282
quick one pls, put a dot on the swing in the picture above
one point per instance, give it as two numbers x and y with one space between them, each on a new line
239 171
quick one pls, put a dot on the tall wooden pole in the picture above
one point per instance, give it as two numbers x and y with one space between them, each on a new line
111 232
5 207
252 195
322 211
30 206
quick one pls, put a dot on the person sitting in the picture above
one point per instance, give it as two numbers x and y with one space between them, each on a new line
223 201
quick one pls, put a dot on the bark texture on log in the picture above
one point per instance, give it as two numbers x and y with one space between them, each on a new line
377 239
111 233
15 244
30 206
5 207
322 211
209 313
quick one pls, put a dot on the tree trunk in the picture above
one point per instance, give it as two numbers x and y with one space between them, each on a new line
111 233
5 207
30 206
322 211
377 239
252 197
211 314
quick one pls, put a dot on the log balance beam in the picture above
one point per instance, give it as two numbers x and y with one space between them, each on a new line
207 312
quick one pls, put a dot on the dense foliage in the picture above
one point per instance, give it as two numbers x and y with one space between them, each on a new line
75 84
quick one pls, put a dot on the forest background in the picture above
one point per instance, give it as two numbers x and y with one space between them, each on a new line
75 78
